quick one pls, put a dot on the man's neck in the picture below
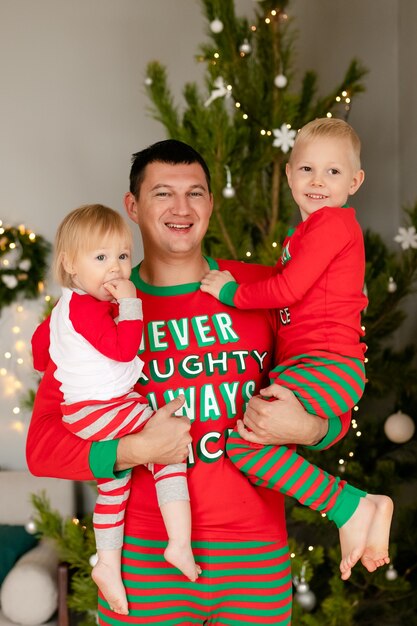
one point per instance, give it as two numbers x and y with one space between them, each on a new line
173 271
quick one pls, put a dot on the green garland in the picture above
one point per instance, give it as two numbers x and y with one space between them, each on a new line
23 263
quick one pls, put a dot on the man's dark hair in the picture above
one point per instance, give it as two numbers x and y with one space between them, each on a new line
169 151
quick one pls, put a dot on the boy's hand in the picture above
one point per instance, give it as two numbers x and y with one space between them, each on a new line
213 282
121 288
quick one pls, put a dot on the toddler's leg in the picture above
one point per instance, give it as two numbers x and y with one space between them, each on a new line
108 578
174 502
108 521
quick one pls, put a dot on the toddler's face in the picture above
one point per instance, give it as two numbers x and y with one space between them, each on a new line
91 269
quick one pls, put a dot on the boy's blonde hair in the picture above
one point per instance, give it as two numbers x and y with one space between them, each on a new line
84 229
332 128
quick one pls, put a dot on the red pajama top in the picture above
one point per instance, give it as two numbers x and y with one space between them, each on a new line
317 288
217 356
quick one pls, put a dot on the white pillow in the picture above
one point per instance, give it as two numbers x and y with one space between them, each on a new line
29 593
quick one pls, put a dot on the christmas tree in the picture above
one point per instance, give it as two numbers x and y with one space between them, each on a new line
243 120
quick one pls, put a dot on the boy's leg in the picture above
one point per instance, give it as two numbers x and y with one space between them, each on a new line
108 523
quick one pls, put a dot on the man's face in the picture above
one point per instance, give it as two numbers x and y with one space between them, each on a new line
173 209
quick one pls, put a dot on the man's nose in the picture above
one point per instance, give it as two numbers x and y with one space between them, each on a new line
181 206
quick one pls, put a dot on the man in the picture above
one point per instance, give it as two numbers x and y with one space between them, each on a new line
216 357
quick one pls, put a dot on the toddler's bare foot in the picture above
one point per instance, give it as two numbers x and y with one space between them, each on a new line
376 551
354 535
111 586
181 556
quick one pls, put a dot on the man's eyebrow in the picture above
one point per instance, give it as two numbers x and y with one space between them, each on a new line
168 186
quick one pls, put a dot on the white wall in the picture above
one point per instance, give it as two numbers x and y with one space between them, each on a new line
73 107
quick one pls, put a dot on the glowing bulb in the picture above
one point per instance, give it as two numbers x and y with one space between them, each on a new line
356 408
274 244
5 262
16 410
20 361
7 355
19 308
328 114
292 555
12 245
237 105
341 461
267 20
245 116
248 253
15 330
358 434
32 236
3 371
344 94
263 132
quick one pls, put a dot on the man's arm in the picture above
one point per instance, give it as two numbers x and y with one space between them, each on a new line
51 450
284 421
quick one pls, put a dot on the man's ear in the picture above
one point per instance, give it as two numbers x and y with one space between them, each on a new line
357 181
131 207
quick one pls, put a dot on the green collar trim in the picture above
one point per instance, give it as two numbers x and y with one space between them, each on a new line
172 290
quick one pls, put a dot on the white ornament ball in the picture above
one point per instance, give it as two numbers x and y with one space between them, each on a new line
216 26
280 81
304 597
148 81
31 527
93 559
245 48
229 192
399 427
391 573
392 285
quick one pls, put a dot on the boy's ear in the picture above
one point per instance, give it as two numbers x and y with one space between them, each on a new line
357 181
288 173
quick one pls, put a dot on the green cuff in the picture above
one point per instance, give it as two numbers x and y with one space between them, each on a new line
102 459
334 429
227 293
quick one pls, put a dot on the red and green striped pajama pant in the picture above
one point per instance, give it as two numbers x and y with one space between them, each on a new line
242 584
326 385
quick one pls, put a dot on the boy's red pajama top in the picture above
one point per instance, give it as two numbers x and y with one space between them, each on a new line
218 357
319 295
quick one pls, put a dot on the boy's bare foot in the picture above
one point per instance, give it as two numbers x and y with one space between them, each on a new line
181 557
354 535
110 583
377 543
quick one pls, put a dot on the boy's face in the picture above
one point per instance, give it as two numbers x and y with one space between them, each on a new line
323 172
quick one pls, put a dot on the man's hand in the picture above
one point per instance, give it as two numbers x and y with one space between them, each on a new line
121 288
213 282
163 440
280 422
